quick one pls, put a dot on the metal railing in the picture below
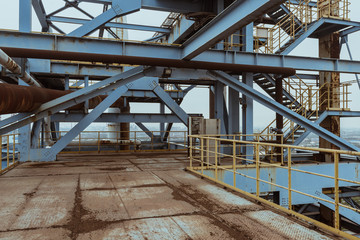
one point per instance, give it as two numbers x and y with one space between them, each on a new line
310 101
117 141
226 151
338 9
9 152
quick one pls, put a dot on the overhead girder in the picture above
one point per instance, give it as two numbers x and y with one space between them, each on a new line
47 46
179 6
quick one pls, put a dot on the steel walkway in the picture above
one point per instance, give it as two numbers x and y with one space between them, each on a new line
128 196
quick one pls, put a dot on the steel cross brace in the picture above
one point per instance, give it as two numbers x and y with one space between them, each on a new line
145 130
268 102
119 8
50 154
76 97
169 102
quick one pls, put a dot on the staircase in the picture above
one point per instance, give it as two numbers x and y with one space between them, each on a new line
291 22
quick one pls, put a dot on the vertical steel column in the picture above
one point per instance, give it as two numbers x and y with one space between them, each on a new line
329 47
25 18
162 125
24 138
219 104
248 103
67 82
86 104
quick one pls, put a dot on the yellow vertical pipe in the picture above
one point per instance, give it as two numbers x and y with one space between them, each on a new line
337 216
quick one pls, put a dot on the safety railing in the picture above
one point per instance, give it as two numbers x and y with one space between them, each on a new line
9 153
338 9
220 159
117 141
310 102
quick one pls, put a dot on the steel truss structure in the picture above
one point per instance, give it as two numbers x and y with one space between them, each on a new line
226 45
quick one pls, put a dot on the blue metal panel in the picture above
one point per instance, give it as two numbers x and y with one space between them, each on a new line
236 16
277 107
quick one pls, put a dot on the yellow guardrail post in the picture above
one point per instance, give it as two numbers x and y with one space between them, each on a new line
191 153
202 154
7 151
289 178
257 169
13 148
336 177
79 141
216 160
234 162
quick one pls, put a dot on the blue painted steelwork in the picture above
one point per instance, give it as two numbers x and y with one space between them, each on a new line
76 97
169 102
25 16
41 14
118 118
111 24
67 48
50 155
236 16
279 108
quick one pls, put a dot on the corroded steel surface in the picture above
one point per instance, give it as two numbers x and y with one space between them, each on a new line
18 99
131 196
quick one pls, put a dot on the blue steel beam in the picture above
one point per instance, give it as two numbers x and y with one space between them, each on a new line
306 133
344 113
25 16
145 130
349 31
279 108
179 6
305 35
118 118
169 102
31 45
50 154
76 97
41 14
119 8
111 24
237 15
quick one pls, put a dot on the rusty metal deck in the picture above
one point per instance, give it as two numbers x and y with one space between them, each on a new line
131 196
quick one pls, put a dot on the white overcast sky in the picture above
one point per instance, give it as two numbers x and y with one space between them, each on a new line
197 100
